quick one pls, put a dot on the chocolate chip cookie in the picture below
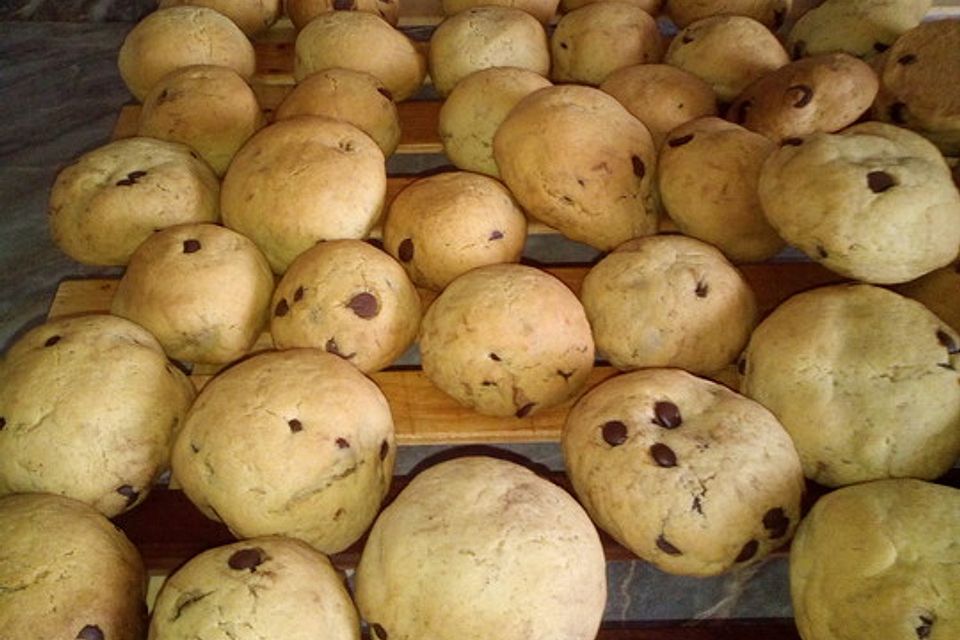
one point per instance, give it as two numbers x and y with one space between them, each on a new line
769 13
252 16
542 10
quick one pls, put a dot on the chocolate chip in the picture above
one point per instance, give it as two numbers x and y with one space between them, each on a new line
776 522
697 505
880 47
365 305
342 443
493 357
898 112
926 626
702 289
523 411
191 246
880 181
90 632
246 559
663 455
682 140
129 493
564 374
488 383
822 252
405 250
282 308
799 49
3 423
742 366
806 95
298 294
791 142
907 59
749 550
686 39
667 415
384 449
947 341
131 179
614 433
664 545
496 235
778 17
52 340
385 93
295 425
563 45
379 631
742 109
343 5
639 169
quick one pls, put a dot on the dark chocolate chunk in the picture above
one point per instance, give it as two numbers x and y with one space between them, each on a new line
686 39
639 169
405 250
298 294
3 423
748 551
488 383
880 181
496 235
682 140
494 357
525 410
614 433
702 289
906 59
295 425
799 49
822 252
282 308
384 449
342 443
129 493
947 341
776 522
191 246
564 374
667 415
385 93
804 97
791 142
742 110
379 631
778 17
663 455
246 559
52 340
131 179
898 112
926 626
664 545
564 45
90 632
365 305
742 366
880 47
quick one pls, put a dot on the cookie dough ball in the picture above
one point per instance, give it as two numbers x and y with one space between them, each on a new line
660 96
650 6
668 301
917 90
879 560
708 173
302 12
873 202
354 97
180 37
822 93
250 589
542 10
202 290
863 379
769 13
67 572
442 226
252 16
727 52
593 41
577 160
112 198
302 180
296 443
682 471
88 408
485 37
349 298
862 28
211 109
363 42
938 292
475 544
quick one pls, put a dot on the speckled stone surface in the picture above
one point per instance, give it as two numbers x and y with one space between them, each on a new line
76 10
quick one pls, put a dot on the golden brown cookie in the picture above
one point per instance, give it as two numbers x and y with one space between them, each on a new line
252 16
542 10
650 6
769 13
301 12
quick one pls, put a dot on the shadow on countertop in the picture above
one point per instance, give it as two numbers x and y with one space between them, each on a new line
76 10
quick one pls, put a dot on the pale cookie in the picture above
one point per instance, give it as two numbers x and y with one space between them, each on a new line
252 16
350 96
202 290
180 37
707 173
88 409
478 546
302 180
507 340
302 12
650 6
442 226
727 52
542 10
256 589
211 109
822 93
595 40
863 379
349 298
874 202
67 572
577 160
363 42
296 443
109 200
682 471
769 13
668 301
660 96
484 37
938 291
879 560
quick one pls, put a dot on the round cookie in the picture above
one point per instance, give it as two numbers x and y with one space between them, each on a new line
915 91
862 28
484 37
475 544
108 201
682 471
252 16
874 202
349 298
707 172
660 96
202 290
442 226
769 13
211 109
350 96
938 292
180 37
302 180
88 408
296 443
363 42
727 52
507 340
252 589
650 6
668 301
67 572
302 12
577 160
542 10
863 379
595 40
879 560
821 93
